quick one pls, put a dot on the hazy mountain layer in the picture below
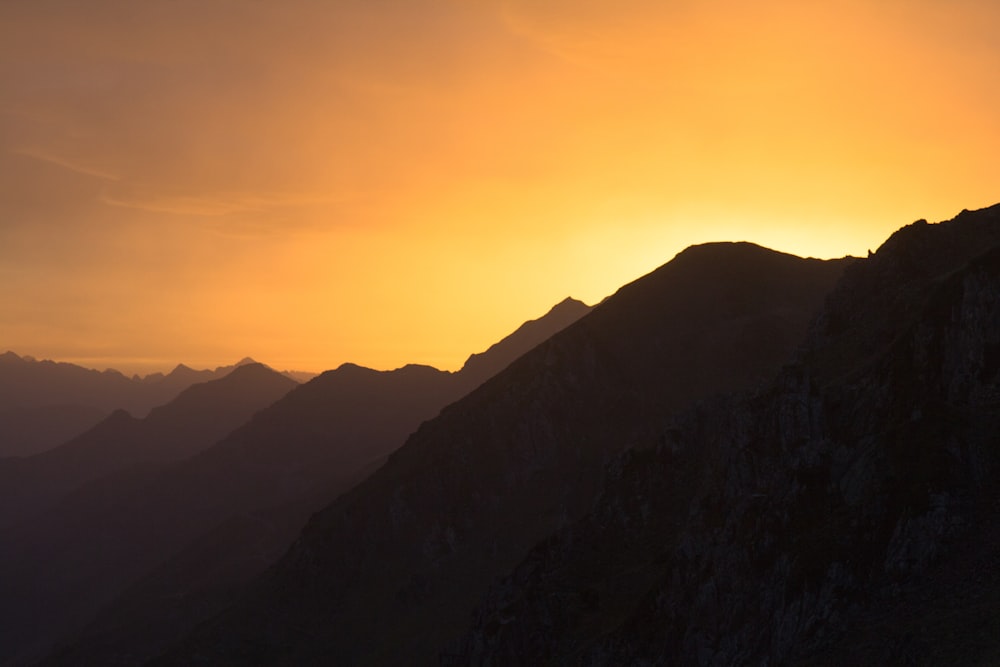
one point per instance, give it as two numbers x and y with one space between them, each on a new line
45 403
31 430
391 571
190 532
197 418
63 510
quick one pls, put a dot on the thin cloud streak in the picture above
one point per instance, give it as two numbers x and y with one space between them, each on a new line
218 204
73 164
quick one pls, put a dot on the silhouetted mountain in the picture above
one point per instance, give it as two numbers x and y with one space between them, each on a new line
846 514
391 571
487 364
300 376
53 505
197 418
190 532
45 403
30 430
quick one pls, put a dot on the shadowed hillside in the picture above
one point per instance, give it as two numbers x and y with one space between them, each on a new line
59 506
181 536
390 572
755 528
198 417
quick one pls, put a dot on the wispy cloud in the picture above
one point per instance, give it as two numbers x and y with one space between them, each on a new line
217 204
78 165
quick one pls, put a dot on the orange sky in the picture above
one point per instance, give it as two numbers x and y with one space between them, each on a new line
317 181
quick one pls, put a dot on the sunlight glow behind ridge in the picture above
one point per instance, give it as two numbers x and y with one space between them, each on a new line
312 183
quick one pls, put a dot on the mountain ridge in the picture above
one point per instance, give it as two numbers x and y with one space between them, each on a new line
45 403
759 524
235 506
517 457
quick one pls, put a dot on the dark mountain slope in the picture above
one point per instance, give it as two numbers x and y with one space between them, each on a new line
31 430
211 522
391 571
484 365
758 526
60 506
198 417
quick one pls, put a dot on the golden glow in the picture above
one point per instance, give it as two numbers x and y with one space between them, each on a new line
316 182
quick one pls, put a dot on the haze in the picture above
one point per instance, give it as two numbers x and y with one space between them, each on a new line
387 182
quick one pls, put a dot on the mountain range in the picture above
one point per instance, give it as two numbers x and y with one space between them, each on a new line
688 475
759 527
744 457
391 571
195 419
127 504
45 403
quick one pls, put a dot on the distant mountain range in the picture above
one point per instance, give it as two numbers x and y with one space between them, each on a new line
744 457
45 403
609 499
198 417
132 502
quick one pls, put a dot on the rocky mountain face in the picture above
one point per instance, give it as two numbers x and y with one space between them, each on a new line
758 529
390 572
175 544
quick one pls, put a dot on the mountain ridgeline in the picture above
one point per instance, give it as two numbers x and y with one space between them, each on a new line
744 457
45 403
62 512
757 527
391 571
195 419
158 547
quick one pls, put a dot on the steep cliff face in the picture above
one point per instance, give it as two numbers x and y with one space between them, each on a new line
755 527
390 572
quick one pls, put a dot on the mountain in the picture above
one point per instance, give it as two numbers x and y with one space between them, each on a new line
390 572
29 430
53 555
846 513
173 544
486 364
197 418
45 403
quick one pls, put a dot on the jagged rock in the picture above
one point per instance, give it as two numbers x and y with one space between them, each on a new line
761 523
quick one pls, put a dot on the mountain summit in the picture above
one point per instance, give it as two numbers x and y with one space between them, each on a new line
391 571
844 513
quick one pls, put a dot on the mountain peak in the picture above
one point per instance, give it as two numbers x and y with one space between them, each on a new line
483 365
569 302
726 249
252 369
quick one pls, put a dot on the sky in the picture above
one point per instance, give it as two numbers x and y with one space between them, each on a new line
311 182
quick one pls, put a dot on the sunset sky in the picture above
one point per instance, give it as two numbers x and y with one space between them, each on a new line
311 182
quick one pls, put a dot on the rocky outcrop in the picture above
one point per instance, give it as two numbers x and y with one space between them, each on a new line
756 526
